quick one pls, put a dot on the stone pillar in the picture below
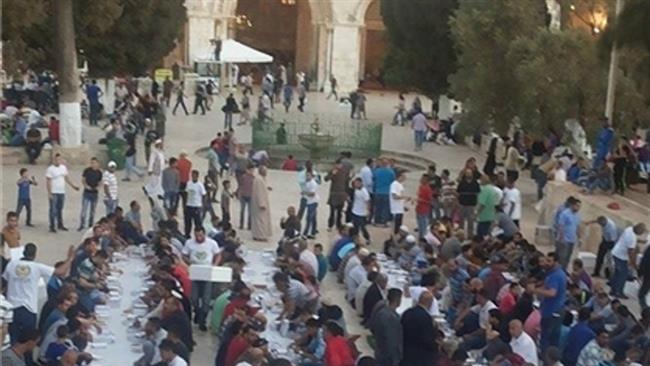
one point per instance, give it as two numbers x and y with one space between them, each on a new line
321 55
345 55
200 32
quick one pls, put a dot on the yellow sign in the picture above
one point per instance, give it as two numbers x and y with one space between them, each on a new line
161 74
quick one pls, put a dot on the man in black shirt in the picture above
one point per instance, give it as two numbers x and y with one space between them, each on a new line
468 190
90 178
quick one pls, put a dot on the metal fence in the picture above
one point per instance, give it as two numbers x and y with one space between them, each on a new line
281 136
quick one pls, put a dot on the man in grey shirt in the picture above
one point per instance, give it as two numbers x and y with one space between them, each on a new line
171 183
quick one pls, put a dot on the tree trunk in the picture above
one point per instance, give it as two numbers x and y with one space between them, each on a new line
66 55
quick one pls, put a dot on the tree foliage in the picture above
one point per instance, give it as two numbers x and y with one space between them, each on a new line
116 36
420 52
633 26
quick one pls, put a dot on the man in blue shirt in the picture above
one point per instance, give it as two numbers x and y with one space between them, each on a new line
383 177
609 238
568 232
578 337
553 295
93 93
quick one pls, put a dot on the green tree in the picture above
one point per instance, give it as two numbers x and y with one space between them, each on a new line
633 25
420 52
484 33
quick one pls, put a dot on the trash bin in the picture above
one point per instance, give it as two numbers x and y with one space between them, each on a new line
117 151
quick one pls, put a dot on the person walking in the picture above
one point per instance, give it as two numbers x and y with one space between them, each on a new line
361 105
110 188
419 335
360 207
333 86
153 188
568 232
180 99
228 110
56 177
553 295
90 179
400 114
487 200
624 255
24 184
199 99
608 239
337 195
386 329
468 190
419 126
168 86
302 95
260 207
310 194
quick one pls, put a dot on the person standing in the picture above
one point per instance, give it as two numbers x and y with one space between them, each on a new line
245 194
11 232
110 188
423 207
168 85
512 164
397 201
361 105
93 93
333 86
360 207
90 179
56 177
486 211
23 276
383 177
184 166
366 175
180 98
608 239
287 96
302 180
171 183
302 95
131 153
512 202
195 192
337 195
386 329
553 294
228 110
203 251
260 207
24 184
310 193
568 232
156 162
419 126
419 335
604 143
245 115
468 190
624 255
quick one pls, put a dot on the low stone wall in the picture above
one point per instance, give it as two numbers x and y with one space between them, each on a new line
592 207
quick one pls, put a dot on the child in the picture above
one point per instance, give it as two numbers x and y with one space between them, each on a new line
56 349
24 195
226 195
322 262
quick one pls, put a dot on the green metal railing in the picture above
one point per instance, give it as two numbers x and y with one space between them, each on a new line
282 137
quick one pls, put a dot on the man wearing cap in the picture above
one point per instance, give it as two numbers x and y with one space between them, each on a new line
155 168
110 187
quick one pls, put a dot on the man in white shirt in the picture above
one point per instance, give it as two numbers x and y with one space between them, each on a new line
512 202
168 354
195 191
356 277
521 343
110 187
201 251
397 201
156 165
360 207
624 254
307 259
310 193
368 181
477 338
22 277
414 292
56 176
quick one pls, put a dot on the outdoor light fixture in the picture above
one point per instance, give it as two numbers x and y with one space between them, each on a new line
288 2
242 21
593 15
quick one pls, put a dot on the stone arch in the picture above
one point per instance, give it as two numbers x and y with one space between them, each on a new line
373 44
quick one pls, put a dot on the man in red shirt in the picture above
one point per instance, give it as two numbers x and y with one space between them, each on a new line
240 344
184 166
290 164
53 130
423 206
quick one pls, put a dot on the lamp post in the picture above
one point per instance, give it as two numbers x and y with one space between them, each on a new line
613 67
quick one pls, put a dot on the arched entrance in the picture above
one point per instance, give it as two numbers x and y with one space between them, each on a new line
373 47
281 28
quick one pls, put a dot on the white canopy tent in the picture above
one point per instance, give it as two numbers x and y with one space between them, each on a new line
233 52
